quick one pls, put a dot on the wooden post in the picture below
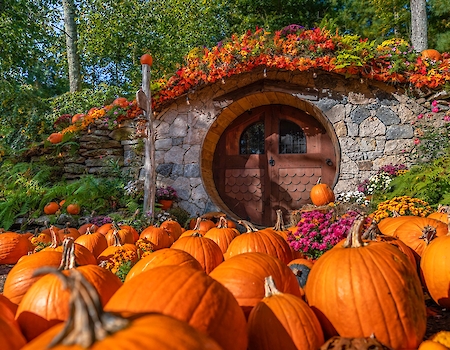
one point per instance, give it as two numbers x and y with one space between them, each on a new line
143 97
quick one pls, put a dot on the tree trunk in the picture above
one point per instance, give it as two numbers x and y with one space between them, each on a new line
70 29
419 25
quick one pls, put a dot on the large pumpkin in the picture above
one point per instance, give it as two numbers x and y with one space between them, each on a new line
263 241
283 321
373 280
321 194
165 256
20 277
244 275
46 302
435 268
89 327
188 295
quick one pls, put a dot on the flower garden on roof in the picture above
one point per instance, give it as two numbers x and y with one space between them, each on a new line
295 48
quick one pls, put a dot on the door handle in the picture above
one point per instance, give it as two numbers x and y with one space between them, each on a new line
271 161
329 162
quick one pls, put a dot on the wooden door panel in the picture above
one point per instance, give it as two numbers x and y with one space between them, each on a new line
254 188
243 192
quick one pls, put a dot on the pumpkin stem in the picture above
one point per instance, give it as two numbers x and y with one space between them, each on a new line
248 226
197 223
196 234
372 232
87 322
428 234
56 242
117 241
279 225
270 288
354 239
222 222
318 181
68 255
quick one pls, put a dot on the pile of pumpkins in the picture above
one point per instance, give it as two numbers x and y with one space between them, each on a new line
212 287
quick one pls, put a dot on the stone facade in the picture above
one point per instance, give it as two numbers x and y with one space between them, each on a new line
373 125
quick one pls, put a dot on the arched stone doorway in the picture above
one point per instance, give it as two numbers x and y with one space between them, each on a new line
264 152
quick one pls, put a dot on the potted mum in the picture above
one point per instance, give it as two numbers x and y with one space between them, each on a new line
165 196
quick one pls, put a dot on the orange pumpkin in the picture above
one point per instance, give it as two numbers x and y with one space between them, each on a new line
146 59
55 137
113 331
283 321
13 246
109 252
435 270
11 337
77 117
203 249
73 209
431 54
373 279
162 257
263 241
173 228
20 277
321 194
121 102
247 284
418 232
158 236
199 300
94 241
51 208
222 234
46 302
387 226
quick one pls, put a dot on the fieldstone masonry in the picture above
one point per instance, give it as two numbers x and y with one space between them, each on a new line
373 123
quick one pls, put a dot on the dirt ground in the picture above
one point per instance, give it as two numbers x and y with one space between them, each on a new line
438 318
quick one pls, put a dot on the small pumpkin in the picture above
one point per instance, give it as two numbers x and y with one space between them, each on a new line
321 194
222 234
51 208
146 59
55 137
431 54
73 209
77 117
94 241
160 237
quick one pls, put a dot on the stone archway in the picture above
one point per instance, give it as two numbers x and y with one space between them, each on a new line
234 110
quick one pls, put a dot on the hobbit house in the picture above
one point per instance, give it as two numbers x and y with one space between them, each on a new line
258 141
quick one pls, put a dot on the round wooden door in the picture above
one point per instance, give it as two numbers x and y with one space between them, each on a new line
269 158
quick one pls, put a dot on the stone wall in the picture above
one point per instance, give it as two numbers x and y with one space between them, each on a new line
373 123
